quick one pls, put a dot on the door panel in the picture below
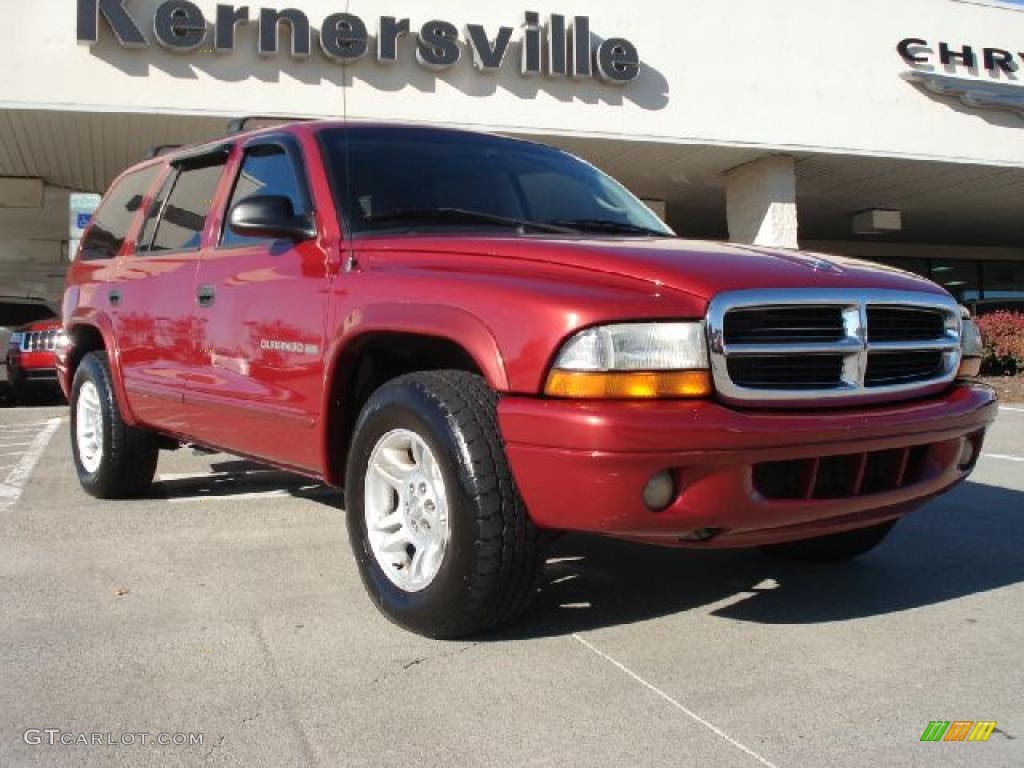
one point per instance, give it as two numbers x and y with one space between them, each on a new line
156 296
258 382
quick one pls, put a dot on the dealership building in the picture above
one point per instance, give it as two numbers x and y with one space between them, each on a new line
888 130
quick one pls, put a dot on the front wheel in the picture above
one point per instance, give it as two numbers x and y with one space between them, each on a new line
438 529
835 548
113 460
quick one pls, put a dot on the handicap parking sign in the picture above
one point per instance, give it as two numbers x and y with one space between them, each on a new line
83 220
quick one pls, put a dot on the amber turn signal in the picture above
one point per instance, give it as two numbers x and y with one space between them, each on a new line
969 368
628 385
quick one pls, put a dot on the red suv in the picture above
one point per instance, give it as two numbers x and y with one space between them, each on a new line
484 340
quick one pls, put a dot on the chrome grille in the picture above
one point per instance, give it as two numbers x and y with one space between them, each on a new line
904 324
819 346
39 341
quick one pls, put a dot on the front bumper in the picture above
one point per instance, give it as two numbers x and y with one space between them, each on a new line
28 367
582 466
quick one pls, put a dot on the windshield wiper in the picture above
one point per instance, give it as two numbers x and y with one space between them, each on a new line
607 225
459 215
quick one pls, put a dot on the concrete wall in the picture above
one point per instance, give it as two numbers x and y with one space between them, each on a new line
31 260
812 74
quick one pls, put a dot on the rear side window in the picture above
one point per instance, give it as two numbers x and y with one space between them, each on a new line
184 215
266 171
114 218
153 214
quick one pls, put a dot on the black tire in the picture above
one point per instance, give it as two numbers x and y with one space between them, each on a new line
836 548
129 456
490 570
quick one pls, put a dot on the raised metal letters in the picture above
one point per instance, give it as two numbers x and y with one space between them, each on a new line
180 26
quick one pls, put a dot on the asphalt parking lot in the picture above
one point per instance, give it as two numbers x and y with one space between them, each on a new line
227 605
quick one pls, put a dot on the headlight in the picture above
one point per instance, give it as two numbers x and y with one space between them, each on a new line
61 340
971 349
15 340
633 360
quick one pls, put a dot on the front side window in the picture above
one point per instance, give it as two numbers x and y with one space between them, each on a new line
412 179
266 170
184 215
113 219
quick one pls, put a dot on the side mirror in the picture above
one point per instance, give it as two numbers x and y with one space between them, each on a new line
272 217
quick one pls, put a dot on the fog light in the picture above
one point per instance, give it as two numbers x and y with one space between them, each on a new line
660 491
968 454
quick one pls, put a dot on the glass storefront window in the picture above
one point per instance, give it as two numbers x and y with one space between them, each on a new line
960 278
1001 283
1003 279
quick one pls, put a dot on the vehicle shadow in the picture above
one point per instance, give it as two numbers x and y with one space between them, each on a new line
240 478
966 542
962 544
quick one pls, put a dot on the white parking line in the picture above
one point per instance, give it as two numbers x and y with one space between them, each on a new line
1002 457
11 488
689 713
1010 409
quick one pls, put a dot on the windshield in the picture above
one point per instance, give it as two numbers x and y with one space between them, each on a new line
415 179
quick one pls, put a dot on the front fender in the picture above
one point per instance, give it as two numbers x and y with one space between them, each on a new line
444 322
438 320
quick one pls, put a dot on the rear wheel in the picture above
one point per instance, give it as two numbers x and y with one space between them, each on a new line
835 548
438 529
113 460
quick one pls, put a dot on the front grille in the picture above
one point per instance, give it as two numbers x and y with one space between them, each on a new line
905 324
844 476
39 341
779 325
819 346
888 368
768 372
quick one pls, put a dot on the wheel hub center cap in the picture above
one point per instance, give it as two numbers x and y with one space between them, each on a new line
419 508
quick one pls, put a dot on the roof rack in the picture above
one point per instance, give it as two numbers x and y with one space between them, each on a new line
242 124
160 149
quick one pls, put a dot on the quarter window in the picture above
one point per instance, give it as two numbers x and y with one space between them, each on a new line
113 220
266 170
184 215
145 241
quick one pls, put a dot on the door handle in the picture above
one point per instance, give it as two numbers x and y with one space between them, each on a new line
206 295
114 296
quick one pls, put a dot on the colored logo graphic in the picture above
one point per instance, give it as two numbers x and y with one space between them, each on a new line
958 730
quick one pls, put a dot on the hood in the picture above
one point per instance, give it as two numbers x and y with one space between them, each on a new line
700 268
52 324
